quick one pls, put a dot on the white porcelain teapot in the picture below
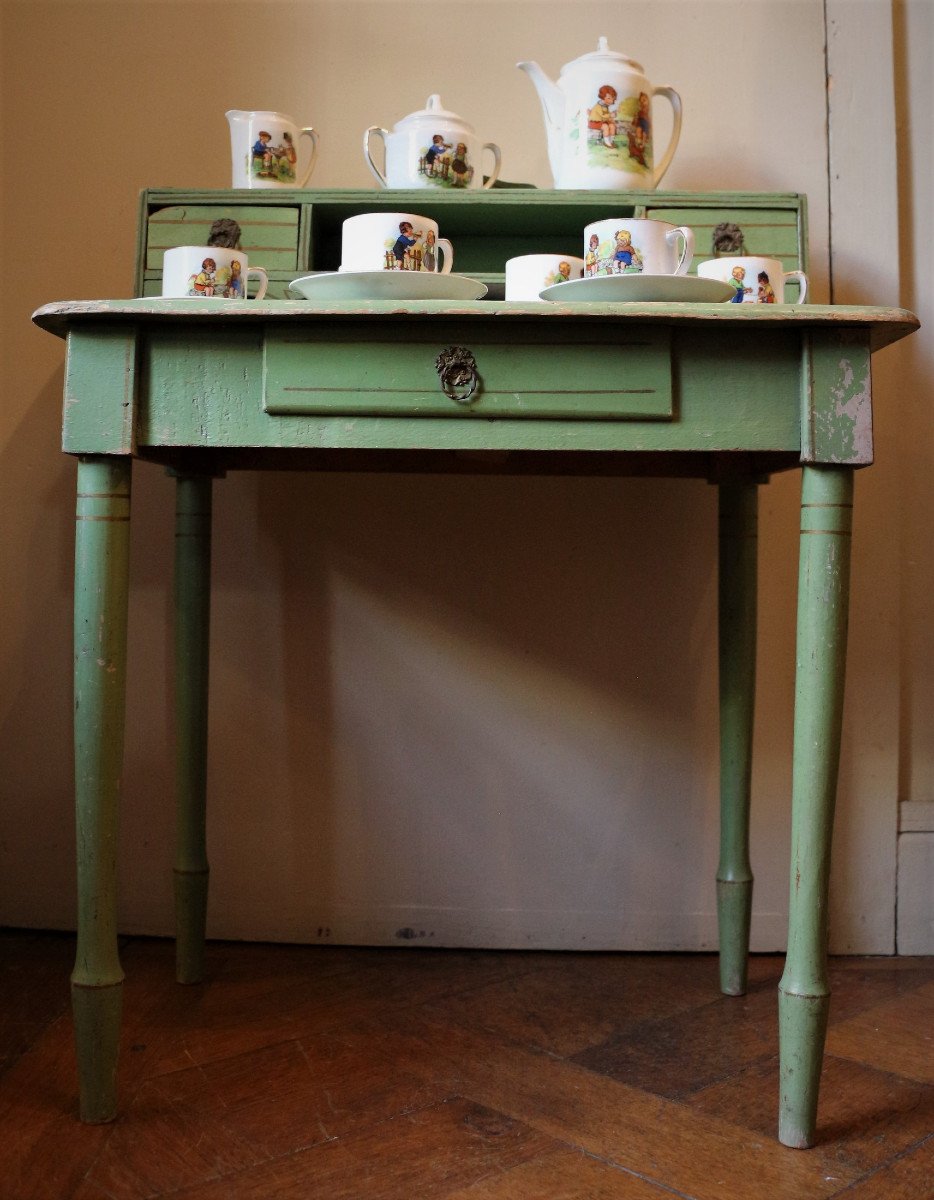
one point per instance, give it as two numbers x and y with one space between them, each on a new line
431 148
598 118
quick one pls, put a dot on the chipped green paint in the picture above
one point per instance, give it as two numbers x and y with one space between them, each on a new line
102 545
837 416
823 604
100 389
738 542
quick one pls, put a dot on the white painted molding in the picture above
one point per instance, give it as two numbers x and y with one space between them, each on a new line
862 152
916 816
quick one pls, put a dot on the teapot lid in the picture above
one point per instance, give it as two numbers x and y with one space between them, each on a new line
602 56
436 111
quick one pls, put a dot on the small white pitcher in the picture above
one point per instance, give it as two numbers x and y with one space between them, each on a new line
264 152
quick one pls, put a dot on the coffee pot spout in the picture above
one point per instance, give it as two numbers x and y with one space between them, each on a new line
552 99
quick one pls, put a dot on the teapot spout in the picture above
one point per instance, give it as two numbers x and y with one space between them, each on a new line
552 99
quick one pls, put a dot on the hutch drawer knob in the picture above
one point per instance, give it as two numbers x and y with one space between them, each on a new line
457 369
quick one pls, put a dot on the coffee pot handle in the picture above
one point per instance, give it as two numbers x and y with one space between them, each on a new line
497 163
312 135
375 131
675 100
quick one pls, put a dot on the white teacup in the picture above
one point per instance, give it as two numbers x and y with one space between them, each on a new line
637 245
755 280
209 272
528 275
394 241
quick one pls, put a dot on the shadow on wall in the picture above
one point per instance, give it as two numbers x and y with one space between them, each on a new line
448 670
36 804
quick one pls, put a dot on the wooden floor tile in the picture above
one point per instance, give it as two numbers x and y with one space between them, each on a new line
679 1054
896 1036
563 1175
34 975
424 1155
44 1150
585 1000
866 1116
322 1072
910 1177
658 1139
855 988
221 1021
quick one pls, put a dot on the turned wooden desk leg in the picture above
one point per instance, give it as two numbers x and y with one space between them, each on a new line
737 621
192 614
102 537
823 601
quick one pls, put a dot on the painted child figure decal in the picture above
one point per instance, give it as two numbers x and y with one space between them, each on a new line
616 257
619 131
591 262
766 291
233 289
405 253
561 275
627 258
205 282
434 156
430 252
445 164
602 116
737 282
261 165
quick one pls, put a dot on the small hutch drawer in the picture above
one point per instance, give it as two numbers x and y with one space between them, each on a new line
582 377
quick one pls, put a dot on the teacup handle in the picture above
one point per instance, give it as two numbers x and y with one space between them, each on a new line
687 249
375 131
675 101
497 162
259 273
312 135
802 283
445 245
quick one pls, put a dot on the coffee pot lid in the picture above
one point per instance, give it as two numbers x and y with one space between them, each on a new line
602 56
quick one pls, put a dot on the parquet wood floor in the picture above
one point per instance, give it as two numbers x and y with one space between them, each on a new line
312 1073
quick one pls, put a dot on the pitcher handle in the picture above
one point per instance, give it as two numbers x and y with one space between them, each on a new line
687 249
312 135
675 100
376 131
802 284
497 162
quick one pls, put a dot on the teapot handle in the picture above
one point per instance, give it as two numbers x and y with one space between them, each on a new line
675 100
376 131
497 162
312 135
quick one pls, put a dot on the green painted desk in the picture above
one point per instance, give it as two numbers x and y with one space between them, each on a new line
724 393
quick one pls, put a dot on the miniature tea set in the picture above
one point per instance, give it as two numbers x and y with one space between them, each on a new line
598 122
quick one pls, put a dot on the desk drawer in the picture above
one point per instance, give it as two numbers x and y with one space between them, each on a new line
583 377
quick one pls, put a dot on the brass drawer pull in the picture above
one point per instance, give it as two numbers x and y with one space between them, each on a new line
458 371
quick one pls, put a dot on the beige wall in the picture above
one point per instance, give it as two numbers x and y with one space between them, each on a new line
436 703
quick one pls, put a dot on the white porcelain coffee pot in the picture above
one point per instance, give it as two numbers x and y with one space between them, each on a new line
598 117
431 148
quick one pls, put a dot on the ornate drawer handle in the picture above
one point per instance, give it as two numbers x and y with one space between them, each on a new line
458 371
